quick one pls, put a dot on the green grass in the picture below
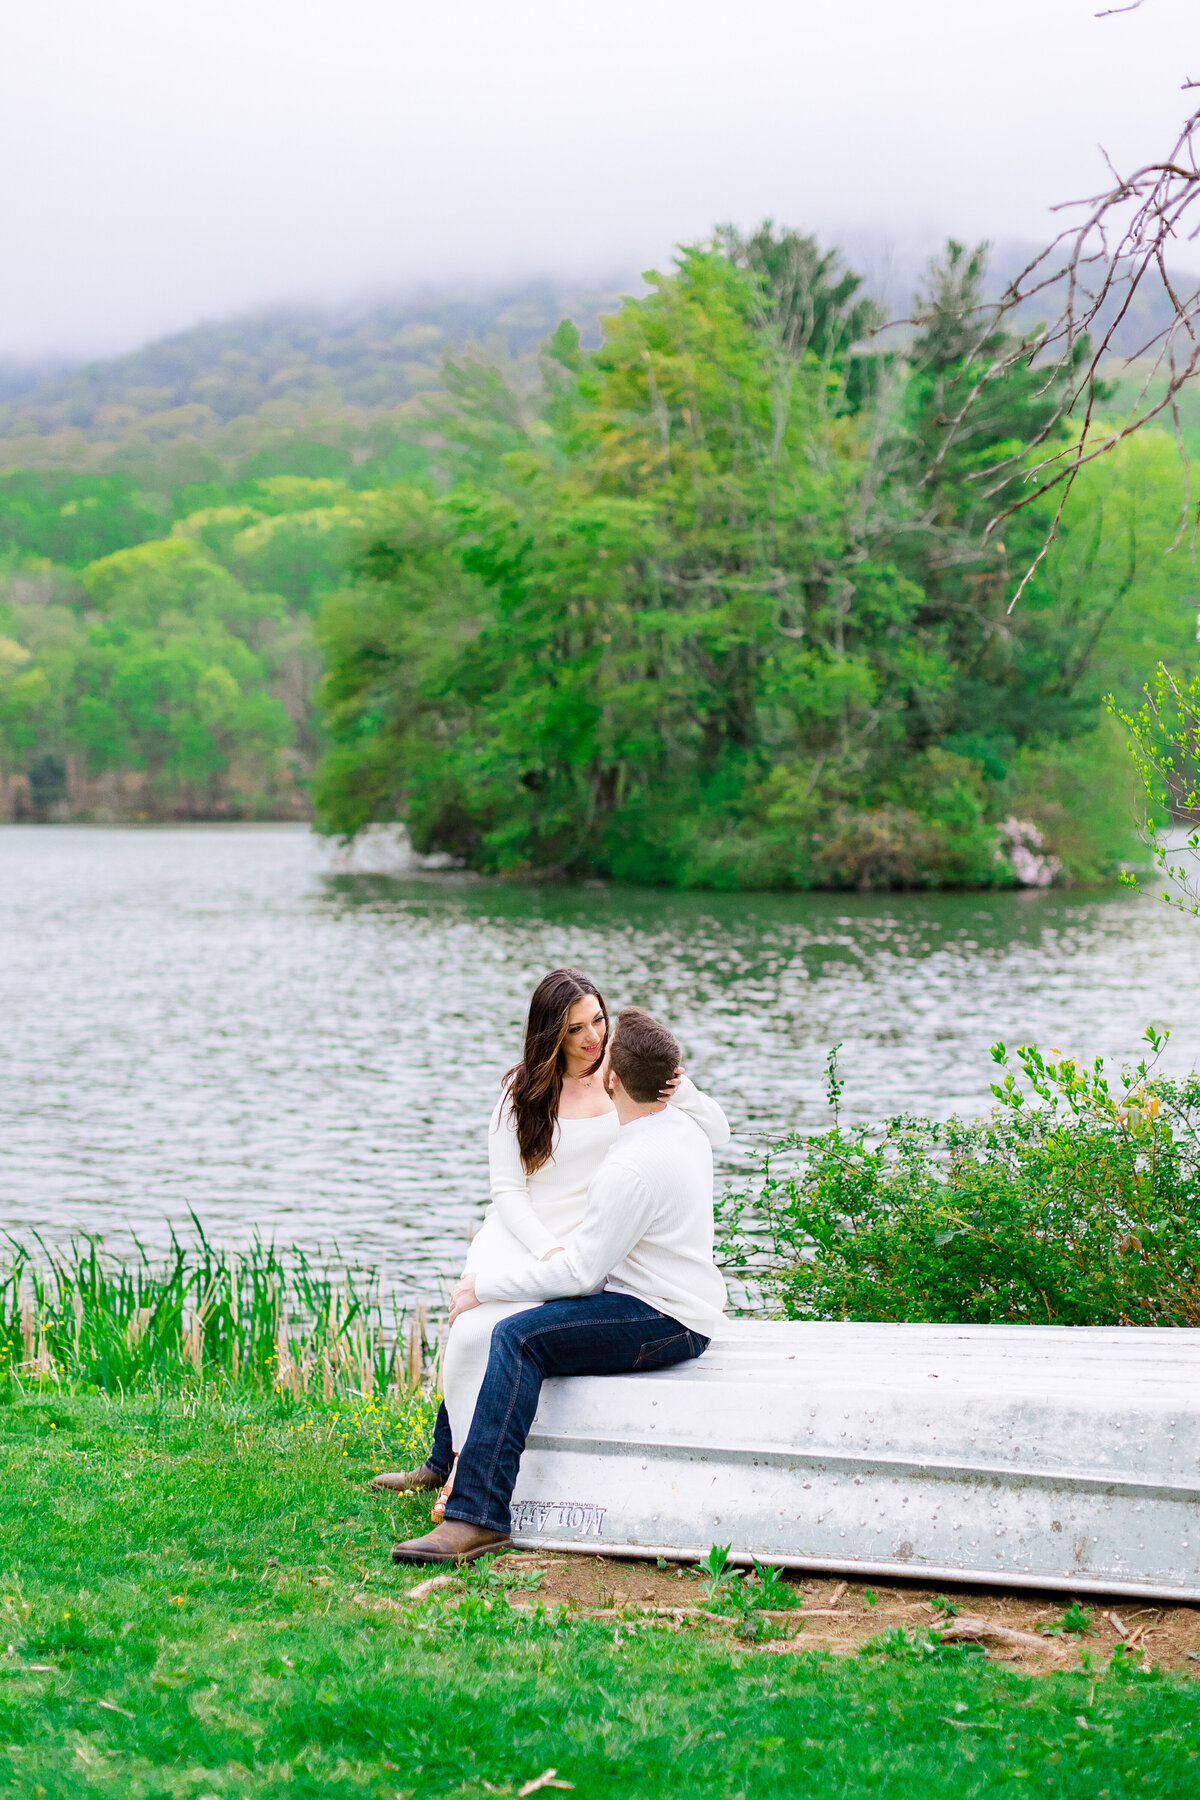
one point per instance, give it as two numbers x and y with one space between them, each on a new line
203 1578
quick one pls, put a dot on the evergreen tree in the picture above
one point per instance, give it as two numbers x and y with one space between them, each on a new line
958 466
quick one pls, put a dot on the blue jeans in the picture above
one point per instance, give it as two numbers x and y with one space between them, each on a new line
441 1454
599 1334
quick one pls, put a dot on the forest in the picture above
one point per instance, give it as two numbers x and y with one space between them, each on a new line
696 596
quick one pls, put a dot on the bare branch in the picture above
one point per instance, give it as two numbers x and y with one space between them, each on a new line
1095 277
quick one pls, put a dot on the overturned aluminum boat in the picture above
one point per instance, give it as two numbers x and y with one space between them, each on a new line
1062 1457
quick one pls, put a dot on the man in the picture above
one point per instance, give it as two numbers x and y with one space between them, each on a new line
635 1288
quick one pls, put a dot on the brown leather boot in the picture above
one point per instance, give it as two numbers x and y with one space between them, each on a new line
453 1541
401 1481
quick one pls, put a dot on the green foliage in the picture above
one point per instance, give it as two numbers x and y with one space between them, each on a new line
701 609
1075 1622
168 667
287 535
917 1644
71 518
260 1319
1080 794
24 695
198 1599
155 582
768 1588
746 1596
1165 740
813 305
718 1573
707 605
494 1575
1072 1204
1120 567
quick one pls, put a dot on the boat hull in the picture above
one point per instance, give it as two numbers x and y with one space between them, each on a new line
1014 1456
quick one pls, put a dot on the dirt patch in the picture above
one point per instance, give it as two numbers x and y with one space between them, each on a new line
843 1615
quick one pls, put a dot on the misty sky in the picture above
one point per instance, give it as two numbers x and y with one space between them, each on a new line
165 160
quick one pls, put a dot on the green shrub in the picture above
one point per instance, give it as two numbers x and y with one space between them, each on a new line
1069 1205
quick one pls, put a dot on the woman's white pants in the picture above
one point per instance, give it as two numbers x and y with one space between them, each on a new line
465 1361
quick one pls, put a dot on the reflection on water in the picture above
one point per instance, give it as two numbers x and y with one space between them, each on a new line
206 1018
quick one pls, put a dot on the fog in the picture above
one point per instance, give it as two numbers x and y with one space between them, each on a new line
168 162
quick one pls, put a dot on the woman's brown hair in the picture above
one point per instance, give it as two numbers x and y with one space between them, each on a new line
535 1084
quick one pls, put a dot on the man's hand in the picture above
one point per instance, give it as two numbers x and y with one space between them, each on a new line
462 1297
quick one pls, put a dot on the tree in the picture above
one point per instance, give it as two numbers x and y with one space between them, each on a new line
24 696
187 707
813 305
1013 680
664 625
171 579
70 518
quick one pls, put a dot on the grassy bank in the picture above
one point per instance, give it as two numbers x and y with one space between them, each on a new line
196 1600
263 1318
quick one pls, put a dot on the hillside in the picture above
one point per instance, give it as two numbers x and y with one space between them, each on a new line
318 392
172 412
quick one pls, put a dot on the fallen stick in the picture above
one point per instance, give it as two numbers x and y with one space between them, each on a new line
797 1644
1118 1624
683 1612
436 1582
544 1780
643 1612
983 1631
838 1591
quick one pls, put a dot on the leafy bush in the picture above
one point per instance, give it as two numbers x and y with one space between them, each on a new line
1071 1204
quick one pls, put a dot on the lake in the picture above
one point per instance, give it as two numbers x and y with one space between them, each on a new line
215 1020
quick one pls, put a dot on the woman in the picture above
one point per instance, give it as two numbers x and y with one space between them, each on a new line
548 1135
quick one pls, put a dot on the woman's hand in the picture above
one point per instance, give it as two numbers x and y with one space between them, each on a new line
462 1297
668 1093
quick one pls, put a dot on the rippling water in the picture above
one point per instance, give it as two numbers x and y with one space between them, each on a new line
208 1018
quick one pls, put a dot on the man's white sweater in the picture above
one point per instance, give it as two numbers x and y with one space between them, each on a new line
647 1229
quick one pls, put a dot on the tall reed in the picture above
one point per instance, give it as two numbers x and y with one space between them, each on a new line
258 1317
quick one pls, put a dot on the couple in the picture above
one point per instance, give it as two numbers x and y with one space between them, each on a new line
595 1257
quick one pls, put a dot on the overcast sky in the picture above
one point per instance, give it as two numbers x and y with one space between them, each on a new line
165 161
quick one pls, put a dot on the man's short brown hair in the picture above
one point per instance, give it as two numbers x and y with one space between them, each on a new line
643 1054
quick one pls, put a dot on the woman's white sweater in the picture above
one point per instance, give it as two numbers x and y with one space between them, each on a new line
531 1214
